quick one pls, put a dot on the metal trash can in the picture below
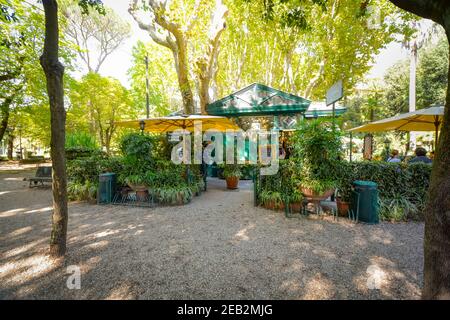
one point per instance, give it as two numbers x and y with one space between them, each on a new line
364 202
106 188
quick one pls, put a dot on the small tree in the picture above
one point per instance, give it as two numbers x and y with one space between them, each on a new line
54 71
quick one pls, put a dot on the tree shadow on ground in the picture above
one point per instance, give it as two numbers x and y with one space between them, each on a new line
218 247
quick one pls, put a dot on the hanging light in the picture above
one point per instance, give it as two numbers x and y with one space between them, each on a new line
142 125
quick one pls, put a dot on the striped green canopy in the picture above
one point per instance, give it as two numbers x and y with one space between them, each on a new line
258 100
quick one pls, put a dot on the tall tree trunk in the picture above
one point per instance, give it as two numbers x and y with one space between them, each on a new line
437 216
5 116
54 71
10 145
207 66
437 212
183 77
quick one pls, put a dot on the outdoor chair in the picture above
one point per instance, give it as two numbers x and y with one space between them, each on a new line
43 175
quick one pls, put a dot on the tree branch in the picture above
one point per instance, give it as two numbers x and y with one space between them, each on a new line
429 9
163 40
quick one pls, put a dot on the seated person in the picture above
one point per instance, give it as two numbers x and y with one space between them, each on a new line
394 156
421 156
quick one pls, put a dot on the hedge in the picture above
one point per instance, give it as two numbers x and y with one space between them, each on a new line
402 187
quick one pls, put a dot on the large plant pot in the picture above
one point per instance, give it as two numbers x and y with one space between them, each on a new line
232 182
271 205
138 187
296 206
309 194
342 207
142 195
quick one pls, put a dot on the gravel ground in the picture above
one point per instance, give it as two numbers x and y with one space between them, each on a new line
217 247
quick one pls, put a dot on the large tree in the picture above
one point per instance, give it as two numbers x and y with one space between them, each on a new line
102 100
16 50
193 38
437 214
164 96
302 46
95 35
54 71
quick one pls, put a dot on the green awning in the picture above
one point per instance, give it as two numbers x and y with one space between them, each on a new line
258 100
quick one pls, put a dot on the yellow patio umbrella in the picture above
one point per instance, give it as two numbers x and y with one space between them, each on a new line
187 122
429 119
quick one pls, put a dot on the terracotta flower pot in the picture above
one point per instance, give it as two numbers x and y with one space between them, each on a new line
295 206
142 195
138 187
272 206
342 207
232 182
314 196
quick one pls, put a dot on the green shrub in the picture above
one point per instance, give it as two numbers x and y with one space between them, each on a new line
137 159
397 209
285 183
89 168
172 195
80 145
232 170
317 148
419 175
137 145
272 197
402 188
247 171
166 175
392 178
86 191
81 140
346 175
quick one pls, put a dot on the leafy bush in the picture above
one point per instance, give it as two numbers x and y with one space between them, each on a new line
232 170
272 198
137 159
419 175
392 178
317 148
247 171
285 183
398 209
80 145
402 188
137 145
167 175
86 191
172 195
88 169
346 175
81 140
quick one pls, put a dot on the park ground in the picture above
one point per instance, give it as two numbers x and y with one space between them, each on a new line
217 247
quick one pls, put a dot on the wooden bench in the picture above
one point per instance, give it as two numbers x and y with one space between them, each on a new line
43 175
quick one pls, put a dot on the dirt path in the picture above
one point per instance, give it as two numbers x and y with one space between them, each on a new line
218 246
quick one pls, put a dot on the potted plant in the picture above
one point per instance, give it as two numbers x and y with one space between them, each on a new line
177 195
295 200
317 190
138 184
317 148
344 190
232 173
272 200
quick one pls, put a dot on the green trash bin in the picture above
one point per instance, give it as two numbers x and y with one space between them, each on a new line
106 187
364 202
